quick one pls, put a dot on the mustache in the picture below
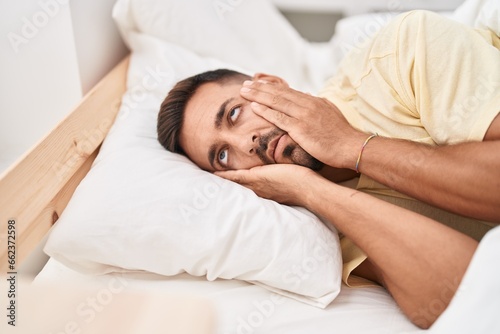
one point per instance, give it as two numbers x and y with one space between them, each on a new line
264 143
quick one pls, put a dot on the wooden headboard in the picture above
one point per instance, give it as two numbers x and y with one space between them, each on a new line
35 190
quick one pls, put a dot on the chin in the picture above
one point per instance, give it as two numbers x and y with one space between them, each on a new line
300 157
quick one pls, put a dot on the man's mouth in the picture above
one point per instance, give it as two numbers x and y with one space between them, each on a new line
275 147
271 148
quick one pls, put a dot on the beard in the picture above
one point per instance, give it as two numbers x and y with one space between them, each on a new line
294 152
300 157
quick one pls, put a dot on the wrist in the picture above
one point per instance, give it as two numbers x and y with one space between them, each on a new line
352 148
358 160
311 193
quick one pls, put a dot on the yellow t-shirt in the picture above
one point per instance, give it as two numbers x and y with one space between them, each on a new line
423 78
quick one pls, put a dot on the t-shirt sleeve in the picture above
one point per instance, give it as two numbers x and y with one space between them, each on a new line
451 73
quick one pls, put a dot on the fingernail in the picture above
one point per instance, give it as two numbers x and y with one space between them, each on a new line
263 81
245 89
247 82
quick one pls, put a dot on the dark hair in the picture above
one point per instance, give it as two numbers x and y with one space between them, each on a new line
171 115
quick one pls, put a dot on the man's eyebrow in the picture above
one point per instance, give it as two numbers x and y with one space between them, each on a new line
217 124
220 113
211 156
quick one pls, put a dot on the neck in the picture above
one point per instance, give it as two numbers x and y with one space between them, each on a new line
337 174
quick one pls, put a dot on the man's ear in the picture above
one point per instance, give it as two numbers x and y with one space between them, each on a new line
269 78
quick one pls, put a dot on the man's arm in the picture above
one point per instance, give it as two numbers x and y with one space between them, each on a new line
462 178
445 77
420 261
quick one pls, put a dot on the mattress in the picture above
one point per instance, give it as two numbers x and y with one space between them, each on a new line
241 307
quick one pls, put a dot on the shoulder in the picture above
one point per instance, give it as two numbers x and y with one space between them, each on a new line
399 31
406 28
415 19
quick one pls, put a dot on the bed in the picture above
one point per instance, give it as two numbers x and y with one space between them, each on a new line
82 176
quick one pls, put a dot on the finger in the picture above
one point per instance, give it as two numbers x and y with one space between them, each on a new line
278 118
232 175
275 102
281 90
279 98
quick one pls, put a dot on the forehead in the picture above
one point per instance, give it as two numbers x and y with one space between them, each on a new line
198 131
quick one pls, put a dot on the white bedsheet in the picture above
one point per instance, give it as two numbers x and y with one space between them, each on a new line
476 305
245 308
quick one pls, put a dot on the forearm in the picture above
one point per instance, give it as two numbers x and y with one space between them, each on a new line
375 225
462 178
417 259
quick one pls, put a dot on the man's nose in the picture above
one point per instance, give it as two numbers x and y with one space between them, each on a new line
248 144
254 144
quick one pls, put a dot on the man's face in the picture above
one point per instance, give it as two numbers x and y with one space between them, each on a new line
220 132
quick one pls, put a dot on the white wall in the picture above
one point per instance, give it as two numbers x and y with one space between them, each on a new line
51 53
354 7
99 46
39 81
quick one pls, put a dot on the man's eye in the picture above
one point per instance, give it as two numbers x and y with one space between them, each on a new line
234 113
223 157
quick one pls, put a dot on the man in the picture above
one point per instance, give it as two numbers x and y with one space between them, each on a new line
416 113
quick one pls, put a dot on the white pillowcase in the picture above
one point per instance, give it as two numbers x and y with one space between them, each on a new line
143 208
249 33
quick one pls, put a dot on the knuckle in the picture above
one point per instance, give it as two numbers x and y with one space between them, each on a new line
281 88
276 99
279 116
238 178
282 119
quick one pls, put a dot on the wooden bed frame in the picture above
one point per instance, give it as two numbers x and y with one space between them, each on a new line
35 190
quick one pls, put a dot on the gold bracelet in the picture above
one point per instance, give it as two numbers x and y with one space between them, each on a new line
362 149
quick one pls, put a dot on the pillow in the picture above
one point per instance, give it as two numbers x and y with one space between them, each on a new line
469 11
143 208
251 34
489 17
